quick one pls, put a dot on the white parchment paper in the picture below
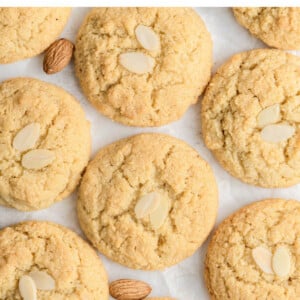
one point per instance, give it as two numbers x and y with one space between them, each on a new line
185 280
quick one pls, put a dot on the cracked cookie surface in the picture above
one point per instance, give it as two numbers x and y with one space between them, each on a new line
126 170
182 64
43 246
26 32
278 27
64 131
230 270
245 85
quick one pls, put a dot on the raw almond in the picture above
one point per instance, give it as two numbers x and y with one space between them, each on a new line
146 205
27 288
129 289
277 133
158 216
37 159
27 137
57 56
43 281
263 258
147 38
281 262
137 62
269 115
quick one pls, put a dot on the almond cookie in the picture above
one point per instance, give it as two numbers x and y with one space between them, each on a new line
44 143
278 27
143 66
255 253
250 117
148 201
28 31
43 260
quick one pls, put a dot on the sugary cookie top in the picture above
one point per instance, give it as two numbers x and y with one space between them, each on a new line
118 182
42 246
171 43
250 117
254 254
278 27
26 32
44 143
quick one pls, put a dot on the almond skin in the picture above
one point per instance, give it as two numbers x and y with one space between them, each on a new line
57 56
129 289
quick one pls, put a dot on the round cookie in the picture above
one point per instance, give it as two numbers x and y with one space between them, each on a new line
28 31
43 246
49 167
250 117
231 268
125 172
182 63
278 27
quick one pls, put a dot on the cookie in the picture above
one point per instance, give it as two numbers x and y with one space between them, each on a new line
254 253
250 117
147 201
143 66
44 249
44 143
278 27
28 31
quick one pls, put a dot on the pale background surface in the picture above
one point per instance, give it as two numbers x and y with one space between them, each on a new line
185 280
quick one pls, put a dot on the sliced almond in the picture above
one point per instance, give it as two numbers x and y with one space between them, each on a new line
27 137
42 280
263 258
281 261
158 216
277 133
147 38
37 159
146 205
137 62
27 288
269 115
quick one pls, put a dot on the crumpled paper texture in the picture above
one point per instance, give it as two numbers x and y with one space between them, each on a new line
185 280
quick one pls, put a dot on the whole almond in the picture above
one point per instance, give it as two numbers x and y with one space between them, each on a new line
57 56
129 289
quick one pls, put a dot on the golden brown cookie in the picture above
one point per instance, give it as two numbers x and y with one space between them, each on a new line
148 201
278 27
143 66
255 253
250 117
44 143
32 248
28 31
